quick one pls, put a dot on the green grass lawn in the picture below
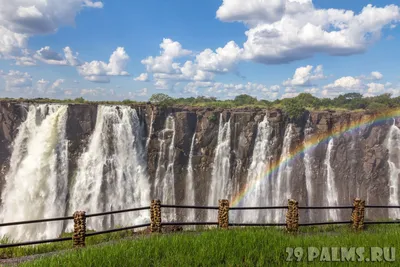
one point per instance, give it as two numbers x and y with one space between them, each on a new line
233 247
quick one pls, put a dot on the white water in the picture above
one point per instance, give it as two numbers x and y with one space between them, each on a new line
111 174
36 184
308 170
393 146
150 129
165 177
190 190
220 187
331 193
260 194
283 182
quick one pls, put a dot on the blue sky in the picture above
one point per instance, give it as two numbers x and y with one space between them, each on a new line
292 46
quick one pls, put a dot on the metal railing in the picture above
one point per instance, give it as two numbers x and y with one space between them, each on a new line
156 224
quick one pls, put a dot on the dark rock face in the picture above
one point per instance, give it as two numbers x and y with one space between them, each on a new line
359 159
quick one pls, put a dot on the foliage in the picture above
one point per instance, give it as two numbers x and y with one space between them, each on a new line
236 247
294 107
212 118
241 100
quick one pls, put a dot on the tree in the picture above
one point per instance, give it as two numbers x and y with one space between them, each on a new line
158 98
245 100
293 107
351 96
79 100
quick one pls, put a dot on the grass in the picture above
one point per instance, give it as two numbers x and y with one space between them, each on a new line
234 247
14 252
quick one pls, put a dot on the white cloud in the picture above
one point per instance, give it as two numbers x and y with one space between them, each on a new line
289 95
142 92
165 62
343 85
49 56
346 83
223 60
304 76
16 81
313 90
40 17
71 58
282 31
21 19
144 77
375 88
89 3
98 71
376 75
251 11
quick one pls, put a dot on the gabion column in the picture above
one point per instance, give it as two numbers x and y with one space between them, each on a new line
155 216
357 216
79 229
223 213
292 216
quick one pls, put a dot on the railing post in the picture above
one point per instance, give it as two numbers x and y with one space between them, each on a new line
79 229
357 216
292 216
223 214
155 216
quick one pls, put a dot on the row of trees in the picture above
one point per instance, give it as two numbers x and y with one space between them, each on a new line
293 106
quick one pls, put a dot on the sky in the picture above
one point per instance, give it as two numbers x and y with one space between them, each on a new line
115 50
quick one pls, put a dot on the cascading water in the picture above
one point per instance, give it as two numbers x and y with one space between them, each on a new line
220 187
189 189
111 174
260 195
308 169
282 183
150 129
37 181
393 146
165 178
331 193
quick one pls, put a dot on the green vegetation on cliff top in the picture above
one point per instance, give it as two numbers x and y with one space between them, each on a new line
294 107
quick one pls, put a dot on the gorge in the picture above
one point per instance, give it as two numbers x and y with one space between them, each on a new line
56 159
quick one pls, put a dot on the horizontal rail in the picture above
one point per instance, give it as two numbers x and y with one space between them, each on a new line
35 242
323 223
116 211
189 223
258 208
118 229
324 207
388 222
257 224
189 207
37 221
380 207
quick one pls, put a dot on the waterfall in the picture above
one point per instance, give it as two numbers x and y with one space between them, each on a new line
150 129
36 183
308 169
165 178
111 174
330 186
260 195
282 183
393 146
190 190
220 179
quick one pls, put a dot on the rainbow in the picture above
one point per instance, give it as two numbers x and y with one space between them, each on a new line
312 143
